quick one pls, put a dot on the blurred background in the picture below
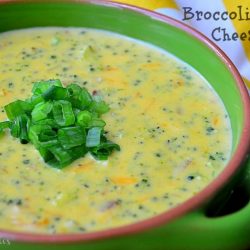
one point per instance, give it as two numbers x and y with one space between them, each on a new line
225 22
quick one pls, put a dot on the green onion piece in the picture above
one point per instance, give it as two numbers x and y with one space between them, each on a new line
40 87
78 152
87 120
19 128
48 144
49 122
48 138
99 107
63 113
93 137
14 109
104 150
25 123
55 93
71 137
41 111
74 90
46 154
85 98
79 97
43 136
15 128
47 135
4 125
76 111
33 133
34 100
61 157
76 104
83 118
95 122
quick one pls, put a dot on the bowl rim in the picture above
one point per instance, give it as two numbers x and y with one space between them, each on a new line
233 165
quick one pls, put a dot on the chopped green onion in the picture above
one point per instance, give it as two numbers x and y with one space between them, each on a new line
4 125
49 121
93 137
19 128
40 87
76 111
99 107
63 113
83 118
34 132
103 150
55 93
17 108
71 137
61 157
48 138
47 135
96 122
85 98
74 92
46 154
15 128
74 89
41 111
25 123
63 124
87 120
34 100
79 97
78 152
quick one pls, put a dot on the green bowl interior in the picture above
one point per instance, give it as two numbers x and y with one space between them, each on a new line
139 26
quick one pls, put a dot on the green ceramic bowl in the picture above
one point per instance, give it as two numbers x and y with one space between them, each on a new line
171 230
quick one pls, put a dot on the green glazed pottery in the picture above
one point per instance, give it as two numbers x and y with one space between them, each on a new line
189 225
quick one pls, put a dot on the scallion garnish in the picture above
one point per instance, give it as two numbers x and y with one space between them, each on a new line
71 137
4 125
93 137
16 108
62 123
19 128
99 107
41 111
40 87
104 149
63 113
55 93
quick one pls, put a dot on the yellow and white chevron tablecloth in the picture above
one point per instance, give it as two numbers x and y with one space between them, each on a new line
226 22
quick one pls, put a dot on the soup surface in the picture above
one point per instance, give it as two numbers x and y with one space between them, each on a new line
174 132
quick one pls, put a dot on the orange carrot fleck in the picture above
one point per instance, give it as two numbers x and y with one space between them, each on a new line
123 180
43 222
215 121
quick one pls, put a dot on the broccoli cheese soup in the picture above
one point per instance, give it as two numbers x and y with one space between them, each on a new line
172 128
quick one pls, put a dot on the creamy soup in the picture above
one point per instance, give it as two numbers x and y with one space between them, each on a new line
173 130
